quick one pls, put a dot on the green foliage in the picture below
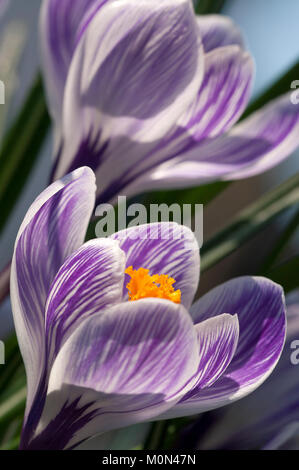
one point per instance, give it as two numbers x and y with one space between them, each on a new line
20 149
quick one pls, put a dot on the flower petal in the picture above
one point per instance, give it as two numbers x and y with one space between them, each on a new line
257 420
143 67
218 340
277 124
89 281
220 101
218 31
255 145
163 248
259 304
52 229
119 368
61 23
223 95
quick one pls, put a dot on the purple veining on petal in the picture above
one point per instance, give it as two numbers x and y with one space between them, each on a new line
148 89
220 101
89 153
70 419
217 339
251 147
254 421
62 25
131 52
93 10
48 234
88 282
261 313
133 362
224 92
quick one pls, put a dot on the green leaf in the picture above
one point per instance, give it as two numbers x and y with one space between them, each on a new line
205 7
12 407
11 445
13 362
249 222
286 274
198 195
155 438
20 148
282 241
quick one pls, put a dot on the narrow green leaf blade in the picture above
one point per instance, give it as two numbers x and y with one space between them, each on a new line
20 148
282 241
249 222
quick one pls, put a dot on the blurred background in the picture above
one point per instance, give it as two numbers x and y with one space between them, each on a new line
272 35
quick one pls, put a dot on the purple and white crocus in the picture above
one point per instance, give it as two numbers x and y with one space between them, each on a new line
148 95
96 361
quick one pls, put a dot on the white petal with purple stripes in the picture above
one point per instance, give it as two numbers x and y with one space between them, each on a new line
218 104
217 339
53 228
89 281
223 95
255 145
134 71
260 307
61 25
267 416
123 367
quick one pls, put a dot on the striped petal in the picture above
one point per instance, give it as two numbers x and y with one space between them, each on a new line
120 368
143 67
255 145
218 340
89 281
163 248
259 305
277 125
53 228
62 22
218 31
223 95
266 418
220 101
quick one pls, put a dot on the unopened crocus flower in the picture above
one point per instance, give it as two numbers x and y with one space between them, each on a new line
268 418
148 95
107 331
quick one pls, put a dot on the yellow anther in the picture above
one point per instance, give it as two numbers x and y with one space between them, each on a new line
142 285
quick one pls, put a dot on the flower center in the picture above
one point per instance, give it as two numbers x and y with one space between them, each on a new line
142 285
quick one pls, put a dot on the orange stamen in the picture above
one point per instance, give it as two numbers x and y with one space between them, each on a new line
142 285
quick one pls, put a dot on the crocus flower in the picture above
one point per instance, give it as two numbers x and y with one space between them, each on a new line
104 349
148 95
267 419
